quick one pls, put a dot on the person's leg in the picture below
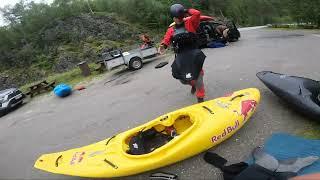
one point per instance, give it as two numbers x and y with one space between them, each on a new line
200 91
197 86
193 87
192 84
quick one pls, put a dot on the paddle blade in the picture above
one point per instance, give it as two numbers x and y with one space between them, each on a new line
160 65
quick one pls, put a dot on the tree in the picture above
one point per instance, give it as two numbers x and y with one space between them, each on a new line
305 11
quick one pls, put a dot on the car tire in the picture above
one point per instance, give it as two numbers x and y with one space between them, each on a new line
2 113
135 63
20 103
9 108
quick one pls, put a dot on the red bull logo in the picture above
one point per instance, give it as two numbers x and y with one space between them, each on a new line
77 158
247 106
226 131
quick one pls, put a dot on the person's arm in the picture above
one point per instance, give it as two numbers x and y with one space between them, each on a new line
167 37
194 19
166 40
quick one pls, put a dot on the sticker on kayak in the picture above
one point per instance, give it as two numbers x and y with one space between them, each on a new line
95 153
225 132
223 105
248 106
77 158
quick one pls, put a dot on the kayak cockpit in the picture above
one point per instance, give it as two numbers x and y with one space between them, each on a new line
313 87
157 135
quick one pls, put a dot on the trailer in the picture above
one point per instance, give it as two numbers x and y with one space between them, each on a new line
133 59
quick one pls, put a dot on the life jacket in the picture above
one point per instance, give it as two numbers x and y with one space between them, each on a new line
183 40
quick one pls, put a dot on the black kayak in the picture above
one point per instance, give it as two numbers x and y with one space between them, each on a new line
303 94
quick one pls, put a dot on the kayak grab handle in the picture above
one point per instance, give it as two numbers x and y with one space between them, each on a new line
111 164
110 139
164 118
57 163
209 110
235 97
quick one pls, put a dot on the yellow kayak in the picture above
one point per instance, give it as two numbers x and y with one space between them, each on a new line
163 141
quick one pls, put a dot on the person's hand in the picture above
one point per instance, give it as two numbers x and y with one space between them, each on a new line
161 49
186 13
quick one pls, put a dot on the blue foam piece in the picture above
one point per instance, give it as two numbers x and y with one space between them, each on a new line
284 146
216 44
62 90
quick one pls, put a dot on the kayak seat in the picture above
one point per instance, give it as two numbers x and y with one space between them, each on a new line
315 98
156 141
145 142
314 88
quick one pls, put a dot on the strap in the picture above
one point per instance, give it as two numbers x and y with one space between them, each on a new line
110 139
235 97
209 110
111 164
57 161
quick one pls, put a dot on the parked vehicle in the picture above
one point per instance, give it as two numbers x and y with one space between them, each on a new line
133 59
9 99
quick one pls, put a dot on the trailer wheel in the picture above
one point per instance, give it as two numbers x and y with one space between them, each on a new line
135 63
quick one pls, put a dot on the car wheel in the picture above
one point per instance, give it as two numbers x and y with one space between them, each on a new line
135 63
20 103
2 113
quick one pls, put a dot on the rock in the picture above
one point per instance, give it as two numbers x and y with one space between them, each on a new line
75 29
6 82
65 43
66 62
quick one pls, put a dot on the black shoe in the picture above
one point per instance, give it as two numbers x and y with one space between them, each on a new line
200 100
193 90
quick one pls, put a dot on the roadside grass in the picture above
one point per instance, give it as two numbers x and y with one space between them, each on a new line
316 31
72 77
293 27
312 131
301 26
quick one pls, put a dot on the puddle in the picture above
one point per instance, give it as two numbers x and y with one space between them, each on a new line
120 77
122 81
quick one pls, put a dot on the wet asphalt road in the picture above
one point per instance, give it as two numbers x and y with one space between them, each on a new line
49 124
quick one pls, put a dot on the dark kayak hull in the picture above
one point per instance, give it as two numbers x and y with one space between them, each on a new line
301 93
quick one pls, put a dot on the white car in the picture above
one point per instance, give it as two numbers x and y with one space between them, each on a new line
10 98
